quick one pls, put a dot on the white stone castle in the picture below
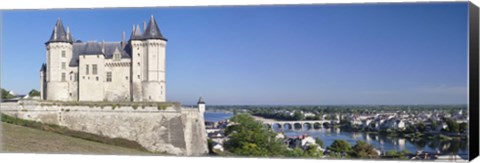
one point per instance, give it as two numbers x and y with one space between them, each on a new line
105 71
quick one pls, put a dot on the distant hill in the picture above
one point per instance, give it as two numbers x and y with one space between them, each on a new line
19 139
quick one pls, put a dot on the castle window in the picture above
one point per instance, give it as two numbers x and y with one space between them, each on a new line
63 66
97 78
138 63
138 54
138 76
126 77
63 53
109 76
63 76
94 69
86 69
75 76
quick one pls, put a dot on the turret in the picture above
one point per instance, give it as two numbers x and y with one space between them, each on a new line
43 83
148 60
59 54
59 34
201 105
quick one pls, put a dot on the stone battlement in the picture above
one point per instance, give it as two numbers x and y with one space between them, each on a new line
124 106
159 127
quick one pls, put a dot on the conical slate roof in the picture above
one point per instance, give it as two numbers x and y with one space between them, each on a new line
200 101
43 68
152 31
136 33
59 34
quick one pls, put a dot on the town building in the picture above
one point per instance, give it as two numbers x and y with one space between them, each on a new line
132 70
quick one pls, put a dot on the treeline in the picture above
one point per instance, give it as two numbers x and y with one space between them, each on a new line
330 109
7 95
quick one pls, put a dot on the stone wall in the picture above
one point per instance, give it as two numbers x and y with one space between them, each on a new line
173 130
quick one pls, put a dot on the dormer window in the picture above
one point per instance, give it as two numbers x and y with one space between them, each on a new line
117 55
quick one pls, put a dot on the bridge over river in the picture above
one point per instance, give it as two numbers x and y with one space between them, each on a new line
298 125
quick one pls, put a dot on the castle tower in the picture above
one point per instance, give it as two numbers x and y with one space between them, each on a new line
148 63
59 54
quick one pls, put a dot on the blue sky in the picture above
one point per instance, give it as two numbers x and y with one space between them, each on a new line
287 55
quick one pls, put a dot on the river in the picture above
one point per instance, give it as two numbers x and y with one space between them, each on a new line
381 142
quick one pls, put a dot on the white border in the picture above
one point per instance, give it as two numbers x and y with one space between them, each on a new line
58 4
51 4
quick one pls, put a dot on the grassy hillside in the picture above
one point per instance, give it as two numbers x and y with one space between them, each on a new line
19 139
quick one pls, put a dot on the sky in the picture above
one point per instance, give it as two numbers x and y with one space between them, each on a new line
410 53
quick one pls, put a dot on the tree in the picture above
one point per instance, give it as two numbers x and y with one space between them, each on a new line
421 127
364 150
453 126
320 142
463 127
297 115
296 152
313 151
340 146
393 154
6 94
433 123
210 146
248 137
33 93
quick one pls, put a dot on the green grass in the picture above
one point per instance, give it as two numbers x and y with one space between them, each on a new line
55 129
20 139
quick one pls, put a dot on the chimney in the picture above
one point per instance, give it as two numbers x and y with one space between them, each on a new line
123 39
103 46
68 32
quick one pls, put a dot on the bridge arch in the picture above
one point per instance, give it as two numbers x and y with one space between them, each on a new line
307 126
297 126
277 126
287 126
317 126
327 125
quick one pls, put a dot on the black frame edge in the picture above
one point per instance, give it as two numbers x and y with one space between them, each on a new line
473 97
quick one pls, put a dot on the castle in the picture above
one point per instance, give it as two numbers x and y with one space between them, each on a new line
105 71
121 89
